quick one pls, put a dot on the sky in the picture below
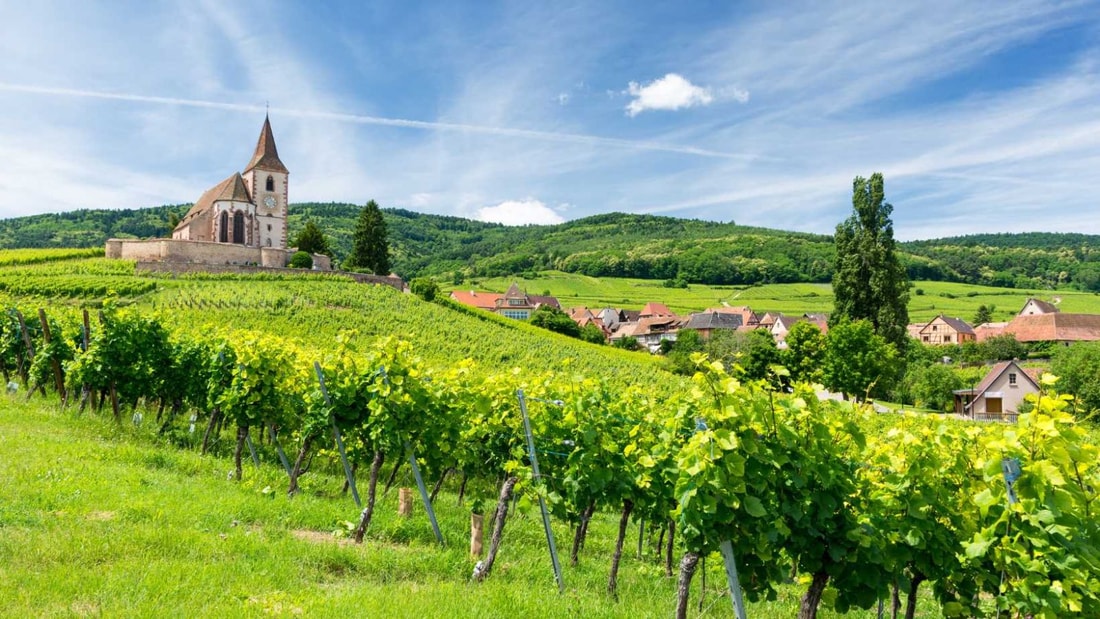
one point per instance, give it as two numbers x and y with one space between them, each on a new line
982 116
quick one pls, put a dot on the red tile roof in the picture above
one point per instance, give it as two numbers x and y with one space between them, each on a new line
232 188
1055 327
656 309
482 300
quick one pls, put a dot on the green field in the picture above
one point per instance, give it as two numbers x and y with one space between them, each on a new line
105 520
961 300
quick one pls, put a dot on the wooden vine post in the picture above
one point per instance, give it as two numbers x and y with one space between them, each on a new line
339 440
542 501
58 378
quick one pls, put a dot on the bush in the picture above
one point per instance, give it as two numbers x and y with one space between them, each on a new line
301 260
425 288
918 292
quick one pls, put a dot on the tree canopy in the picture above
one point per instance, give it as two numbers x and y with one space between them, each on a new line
311 239
370 247
869 282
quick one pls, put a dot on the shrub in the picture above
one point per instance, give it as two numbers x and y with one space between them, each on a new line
301 260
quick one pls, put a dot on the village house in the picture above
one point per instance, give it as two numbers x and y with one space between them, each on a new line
782 325
707 323
987 330
946 330
748 317
584 317
999 395
1035 307
514 303
482 300
1040 321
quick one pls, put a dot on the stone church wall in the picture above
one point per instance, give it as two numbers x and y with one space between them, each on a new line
171 250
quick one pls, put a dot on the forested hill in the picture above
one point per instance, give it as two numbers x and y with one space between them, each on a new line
617 244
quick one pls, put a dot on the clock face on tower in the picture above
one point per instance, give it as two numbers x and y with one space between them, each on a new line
269 202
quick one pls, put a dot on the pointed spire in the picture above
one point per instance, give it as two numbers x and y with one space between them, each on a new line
266 156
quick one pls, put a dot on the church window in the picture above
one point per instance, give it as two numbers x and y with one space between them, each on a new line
223 233
270 183
269 227
238 227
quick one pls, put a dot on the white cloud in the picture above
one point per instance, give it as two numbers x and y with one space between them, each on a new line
563 98
520 213
670 92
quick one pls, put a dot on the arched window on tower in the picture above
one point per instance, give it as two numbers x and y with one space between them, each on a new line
270 183
223 225
238 227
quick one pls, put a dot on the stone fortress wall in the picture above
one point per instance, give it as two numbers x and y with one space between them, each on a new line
204 252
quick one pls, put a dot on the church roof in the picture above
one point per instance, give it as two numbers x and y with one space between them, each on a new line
232 188
266 156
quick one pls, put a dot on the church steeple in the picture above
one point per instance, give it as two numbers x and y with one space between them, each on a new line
266 156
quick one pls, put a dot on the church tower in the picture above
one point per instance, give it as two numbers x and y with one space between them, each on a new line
266 179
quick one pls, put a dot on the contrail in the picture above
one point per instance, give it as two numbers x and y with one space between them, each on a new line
574 138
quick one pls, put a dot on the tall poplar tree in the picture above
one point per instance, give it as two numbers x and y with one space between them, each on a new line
869 283
370 249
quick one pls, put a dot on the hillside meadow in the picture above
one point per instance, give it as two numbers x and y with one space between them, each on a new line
927 298
100 519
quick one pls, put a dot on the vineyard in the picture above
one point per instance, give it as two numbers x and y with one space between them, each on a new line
858 509
822 503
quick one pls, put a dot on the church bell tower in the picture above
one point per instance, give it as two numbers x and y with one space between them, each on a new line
266 179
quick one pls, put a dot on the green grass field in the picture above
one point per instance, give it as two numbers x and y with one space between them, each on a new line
99 519
961 300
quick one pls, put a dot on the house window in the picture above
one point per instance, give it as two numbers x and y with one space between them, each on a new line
926 338
1012 379
238 227
516 314
993 405
935 327
223 224
515 301
270 183
947 338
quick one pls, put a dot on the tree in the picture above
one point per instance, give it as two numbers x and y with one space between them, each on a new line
312 240
869 283
1078 370
933 386
370 249
688 342
759 355
984 314
593 334
173 221
858 361
1003 348
805 352
424 287
553 319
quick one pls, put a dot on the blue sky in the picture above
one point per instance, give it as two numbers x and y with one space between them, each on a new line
984 117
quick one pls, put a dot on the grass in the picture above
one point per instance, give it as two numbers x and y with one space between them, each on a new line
99 519
957 300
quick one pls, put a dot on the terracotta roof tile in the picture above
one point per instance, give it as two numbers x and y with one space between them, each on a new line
232 188
1057 327
483 300
266 156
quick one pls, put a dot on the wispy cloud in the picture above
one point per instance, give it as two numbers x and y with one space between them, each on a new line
982 117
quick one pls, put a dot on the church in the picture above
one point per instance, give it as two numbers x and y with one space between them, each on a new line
241 221
247 208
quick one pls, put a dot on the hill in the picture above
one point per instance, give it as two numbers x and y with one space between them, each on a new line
927 299
619 245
